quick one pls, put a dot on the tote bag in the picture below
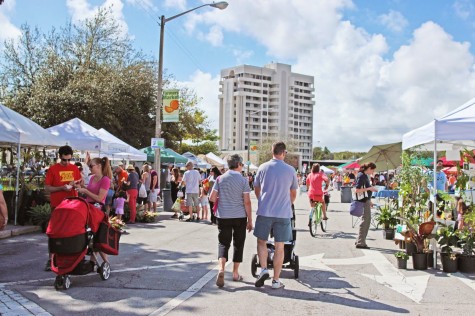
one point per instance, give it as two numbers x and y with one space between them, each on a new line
357 208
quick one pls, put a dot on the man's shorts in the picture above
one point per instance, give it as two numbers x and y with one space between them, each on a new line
152 197
281 227
192 199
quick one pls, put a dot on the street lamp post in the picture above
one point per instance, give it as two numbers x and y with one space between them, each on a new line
158 125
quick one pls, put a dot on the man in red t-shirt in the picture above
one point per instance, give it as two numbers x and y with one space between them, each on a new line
122 176
60 180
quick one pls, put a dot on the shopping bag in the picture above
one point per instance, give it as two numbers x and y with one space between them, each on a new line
357 208
142 191
177 205
107 238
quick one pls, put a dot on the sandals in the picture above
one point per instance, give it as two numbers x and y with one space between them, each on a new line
220 279
239 278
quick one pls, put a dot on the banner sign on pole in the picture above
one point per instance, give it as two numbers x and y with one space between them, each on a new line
253 147
171 106
158 143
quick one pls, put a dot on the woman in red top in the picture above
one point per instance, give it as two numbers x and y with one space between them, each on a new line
315 190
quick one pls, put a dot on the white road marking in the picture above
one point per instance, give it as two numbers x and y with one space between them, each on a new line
411 287
468 282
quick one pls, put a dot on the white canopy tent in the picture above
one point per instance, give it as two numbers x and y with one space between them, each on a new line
326 170
82 136
452 131
215 160
131 153
19 130
197 162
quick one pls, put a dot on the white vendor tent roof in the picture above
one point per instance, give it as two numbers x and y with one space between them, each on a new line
82 136
131 153
215 160
16 128
452 131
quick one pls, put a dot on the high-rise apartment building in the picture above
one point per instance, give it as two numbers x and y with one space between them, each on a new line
257 103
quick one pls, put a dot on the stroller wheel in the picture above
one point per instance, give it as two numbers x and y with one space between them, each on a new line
58 282
104 270
254 266
296 267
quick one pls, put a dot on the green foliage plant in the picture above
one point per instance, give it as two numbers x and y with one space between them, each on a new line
401 255
40 214
386 217
447 238
467 234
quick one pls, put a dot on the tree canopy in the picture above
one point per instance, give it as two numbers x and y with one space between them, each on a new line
91 71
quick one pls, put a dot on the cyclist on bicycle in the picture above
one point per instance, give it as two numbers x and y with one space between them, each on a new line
315 191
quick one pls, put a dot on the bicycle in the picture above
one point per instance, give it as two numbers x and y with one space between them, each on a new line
316 218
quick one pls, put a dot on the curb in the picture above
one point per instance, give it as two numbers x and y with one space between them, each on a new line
11 231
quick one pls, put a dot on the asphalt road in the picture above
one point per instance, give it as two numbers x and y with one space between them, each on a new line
169 268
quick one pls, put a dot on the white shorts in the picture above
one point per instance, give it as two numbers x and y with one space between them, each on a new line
152 197
204 201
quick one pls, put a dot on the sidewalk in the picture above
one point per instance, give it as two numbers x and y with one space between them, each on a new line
12 230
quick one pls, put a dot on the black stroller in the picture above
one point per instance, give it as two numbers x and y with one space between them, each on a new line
291 260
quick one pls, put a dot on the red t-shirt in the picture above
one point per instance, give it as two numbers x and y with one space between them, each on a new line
59 175
314 183
122 176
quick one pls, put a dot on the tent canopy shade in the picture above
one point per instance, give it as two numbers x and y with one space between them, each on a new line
167 155
386 157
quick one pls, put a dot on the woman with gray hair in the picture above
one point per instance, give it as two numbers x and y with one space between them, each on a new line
232 194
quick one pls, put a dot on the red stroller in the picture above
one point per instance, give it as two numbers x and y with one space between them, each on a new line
77 229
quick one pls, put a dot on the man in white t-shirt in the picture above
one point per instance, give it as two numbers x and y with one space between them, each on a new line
191 180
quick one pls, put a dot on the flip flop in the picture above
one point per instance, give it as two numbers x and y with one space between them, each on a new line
239 279
220 279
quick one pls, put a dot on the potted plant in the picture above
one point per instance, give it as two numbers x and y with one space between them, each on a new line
419 234
40 215
402 258
467 240
387 218
447 238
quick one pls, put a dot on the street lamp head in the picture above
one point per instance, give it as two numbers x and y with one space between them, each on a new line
220 5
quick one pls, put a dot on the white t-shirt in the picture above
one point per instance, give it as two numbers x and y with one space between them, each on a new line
192 180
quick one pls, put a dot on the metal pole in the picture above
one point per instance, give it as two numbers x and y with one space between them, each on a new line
158 120
17 188
248 137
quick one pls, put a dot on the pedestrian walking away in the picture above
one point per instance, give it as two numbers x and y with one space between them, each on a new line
191 181
234 215
275 187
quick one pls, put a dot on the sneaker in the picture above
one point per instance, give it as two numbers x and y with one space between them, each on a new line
262 277
174 216
277 284
48 265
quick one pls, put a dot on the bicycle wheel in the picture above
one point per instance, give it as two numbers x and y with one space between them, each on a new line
316 219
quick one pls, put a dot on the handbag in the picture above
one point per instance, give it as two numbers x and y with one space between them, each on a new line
357 208
215 205
107 238
142 191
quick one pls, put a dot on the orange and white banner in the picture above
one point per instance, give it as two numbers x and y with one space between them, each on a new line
171 106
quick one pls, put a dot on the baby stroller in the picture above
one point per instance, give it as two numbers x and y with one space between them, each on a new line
77 229
184 209
291 260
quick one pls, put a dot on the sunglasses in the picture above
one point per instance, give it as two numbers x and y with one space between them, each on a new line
63 159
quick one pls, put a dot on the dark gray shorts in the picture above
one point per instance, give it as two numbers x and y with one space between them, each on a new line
281 227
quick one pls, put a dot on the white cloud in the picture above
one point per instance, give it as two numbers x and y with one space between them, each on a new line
9 31
82 9
464 9
242 55
363 97
394 21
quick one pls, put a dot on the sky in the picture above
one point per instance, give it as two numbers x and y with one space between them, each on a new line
381 68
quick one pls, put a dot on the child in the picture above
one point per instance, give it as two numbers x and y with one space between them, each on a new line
119 203
204 203
461 210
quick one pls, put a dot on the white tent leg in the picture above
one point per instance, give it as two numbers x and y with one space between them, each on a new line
434 205
17 188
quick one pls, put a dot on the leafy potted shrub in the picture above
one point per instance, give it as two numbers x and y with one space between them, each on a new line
40 215
447 238
419 234
402 258
467 239
387 218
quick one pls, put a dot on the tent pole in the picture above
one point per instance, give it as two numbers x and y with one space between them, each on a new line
17 188
434 213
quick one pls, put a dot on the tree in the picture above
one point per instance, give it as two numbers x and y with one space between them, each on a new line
320 153
92 72
265 150
200 148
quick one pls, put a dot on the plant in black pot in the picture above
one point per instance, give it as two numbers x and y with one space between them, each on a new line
467 241
402 258
419 234
387 218
447 238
